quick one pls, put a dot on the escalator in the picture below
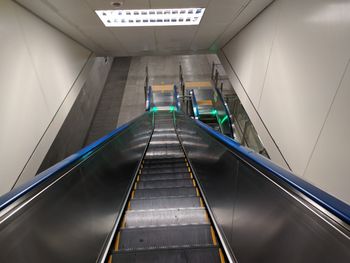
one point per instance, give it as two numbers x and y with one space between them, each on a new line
165 220
167 188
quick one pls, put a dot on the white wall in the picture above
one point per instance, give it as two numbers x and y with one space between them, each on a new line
39 65
292 62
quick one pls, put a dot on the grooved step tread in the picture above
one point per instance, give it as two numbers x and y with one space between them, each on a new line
165 217
165 202
164 176
165 165
164 170
209 254
163 160
165 183
165 237
165 192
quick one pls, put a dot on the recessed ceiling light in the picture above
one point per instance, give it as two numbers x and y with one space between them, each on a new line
151 17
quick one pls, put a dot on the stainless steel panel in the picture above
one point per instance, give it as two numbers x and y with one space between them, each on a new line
261 219
207 254
70 221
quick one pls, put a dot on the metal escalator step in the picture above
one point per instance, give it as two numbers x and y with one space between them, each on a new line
164 183
165 237
209 254
165 217
147 170
164 147
165 192
165 176
164 141
165 136
164 129
163 161
165 202
165 165
167 154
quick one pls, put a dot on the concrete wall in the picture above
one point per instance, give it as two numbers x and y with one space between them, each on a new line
40 69
292 61
76 126
107 113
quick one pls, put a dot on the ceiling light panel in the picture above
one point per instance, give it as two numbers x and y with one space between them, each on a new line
151 17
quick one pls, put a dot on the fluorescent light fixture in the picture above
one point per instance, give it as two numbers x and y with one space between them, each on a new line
151 17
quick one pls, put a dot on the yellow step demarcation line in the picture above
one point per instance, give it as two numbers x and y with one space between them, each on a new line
162 88
213 236
205 102
212 232
222 257
198 84
123 224
116 245
117 242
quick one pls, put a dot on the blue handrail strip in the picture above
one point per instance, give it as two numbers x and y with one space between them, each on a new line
325 200
16 193
227 111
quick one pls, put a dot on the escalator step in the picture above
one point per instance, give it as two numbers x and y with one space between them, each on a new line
147 170
165 217
165 155
165 165
165 176
165 202
208 254
164 161
165 136
165 192
165 237
164 147
164 141
164 183
164 129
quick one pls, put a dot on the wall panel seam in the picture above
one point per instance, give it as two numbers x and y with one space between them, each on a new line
52 120
269 60
326 118
263 123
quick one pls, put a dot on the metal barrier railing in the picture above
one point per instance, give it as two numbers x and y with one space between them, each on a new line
243 129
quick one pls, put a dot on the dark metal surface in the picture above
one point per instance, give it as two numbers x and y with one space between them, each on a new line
262 220
165 192
71 219
165 236
194 255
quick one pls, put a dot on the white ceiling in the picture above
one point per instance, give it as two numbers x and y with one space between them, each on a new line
76 18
